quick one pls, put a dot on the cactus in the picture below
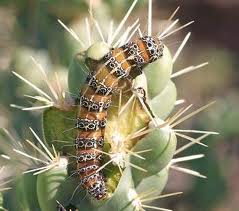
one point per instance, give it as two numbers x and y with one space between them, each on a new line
141 139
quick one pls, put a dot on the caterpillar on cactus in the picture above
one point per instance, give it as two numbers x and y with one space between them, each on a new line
137 136
95 100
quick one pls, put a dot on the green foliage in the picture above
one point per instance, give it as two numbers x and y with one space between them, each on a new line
48 188
207 200
162 145
55 124
26 190
163 103
77 74
158 180
158 73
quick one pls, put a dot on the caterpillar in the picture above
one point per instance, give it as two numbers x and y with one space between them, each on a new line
95 100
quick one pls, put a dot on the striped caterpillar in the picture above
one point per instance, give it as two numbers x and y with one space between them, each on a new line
95 99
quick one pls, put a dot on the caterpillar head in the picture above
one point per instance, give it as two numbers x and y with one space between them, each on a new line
148 49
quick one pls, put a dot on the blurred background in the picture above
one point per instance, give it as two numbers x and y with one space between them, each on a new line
30 28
